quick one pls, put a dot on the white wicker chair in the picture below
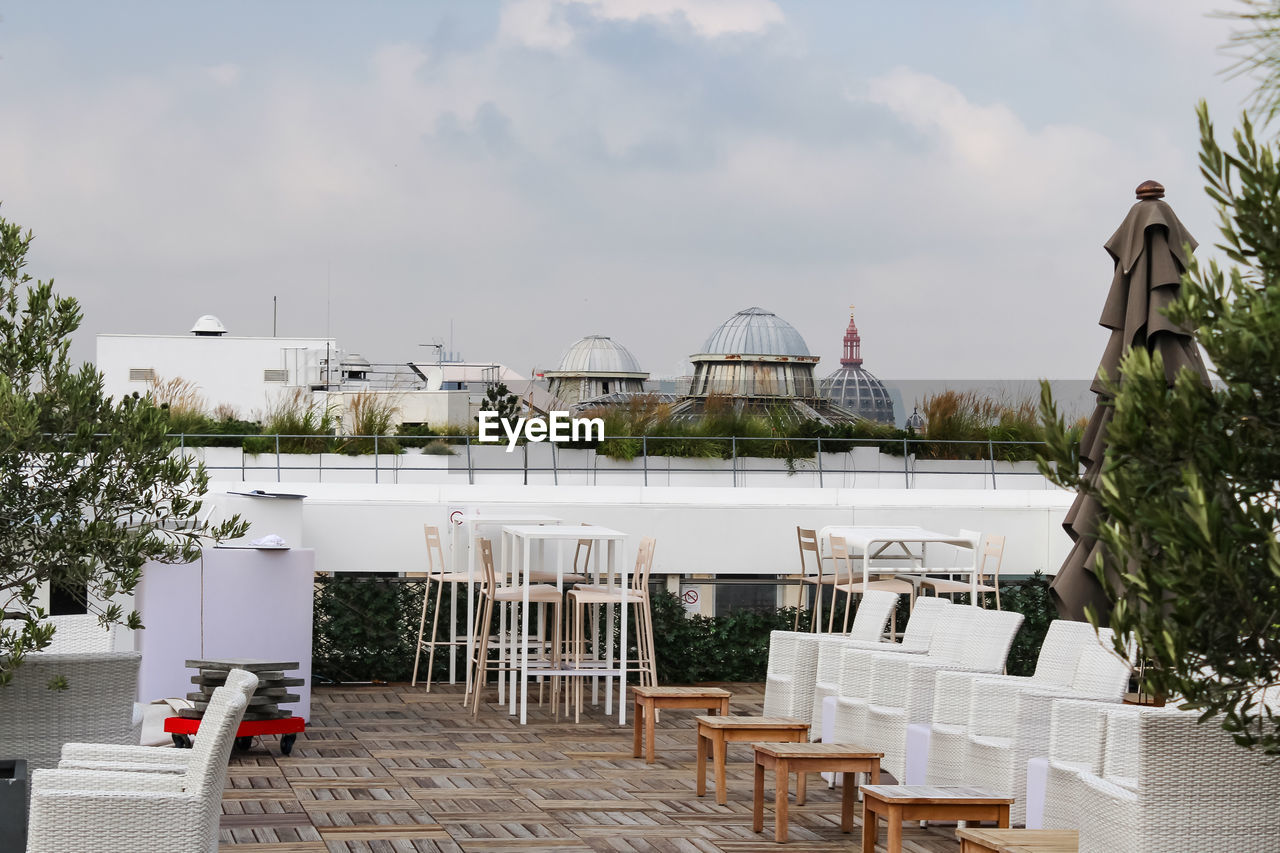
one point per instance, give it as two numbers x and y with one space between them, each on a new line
915 640
130 811
902 689
793 656
1056 666
857 669
1009 723
1193 789
103 756
97 704
77 633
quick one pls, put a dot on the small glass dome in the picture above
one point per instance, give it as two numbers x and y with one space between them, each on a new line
598 354
856 389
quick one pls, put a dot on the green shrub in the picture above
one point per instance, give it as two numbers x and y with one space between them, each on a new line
303 424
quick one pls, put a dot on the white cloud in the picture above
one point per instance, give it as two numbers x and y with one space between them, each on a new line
544 24
225 74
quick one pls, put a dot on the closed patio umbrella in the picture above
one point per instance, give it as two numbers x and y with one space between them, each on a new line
1149 254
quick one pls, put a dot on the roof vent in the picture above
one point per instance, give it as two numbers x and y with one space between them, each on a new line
208 326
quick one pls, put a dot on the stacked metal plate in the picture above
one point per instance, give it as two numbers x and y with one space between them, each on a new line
273 686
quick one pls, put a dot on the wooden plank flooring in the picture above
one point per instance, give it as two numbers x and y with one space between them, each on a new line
392 768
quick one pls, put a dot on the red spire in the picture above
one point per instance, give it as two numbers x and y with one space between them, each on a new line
852 344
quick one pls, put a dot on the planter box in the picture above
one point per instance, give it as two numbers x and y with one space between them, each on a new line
13 804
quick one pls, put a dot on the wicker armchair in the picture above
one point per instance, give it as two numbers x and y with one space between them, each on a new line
97 704
1193 789
106 756
915 640
902 689
1056 670
1009 723
793 656
133 811
74 633
844 715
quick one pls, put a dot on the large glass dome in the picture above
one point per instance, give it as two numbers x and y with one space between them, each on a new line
755 331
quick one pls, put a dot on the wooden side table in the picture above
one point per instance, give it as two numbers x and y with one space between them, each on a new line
713 700
802 758
897 803
1018 840
716 732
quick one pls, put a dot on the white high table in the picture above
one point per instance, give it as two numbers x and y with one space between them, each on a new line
523 537
465 528
872 541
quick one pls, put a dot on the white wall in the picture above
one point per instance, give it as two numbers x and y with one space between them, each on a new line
356 527
225 369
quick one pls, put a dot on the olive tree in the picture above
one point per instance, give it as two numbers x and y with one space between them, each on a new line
90 487
1190 486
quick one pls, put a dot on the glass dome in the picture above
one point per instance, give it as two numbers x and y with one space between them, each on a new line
597 354
755 331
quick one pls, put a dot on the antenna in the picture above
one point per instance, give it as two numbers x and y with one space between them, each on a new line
328 299
275 314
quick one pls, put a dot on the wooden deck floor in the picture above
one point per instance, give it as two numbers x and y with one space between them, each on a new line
398 769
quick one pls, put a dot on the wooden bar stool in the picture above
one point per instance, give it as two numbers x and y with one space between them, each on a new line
605 594
715 733
490 595
437 575
713 700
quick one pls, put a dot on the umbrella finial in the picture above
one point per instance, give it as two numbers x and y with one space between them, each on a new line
1150 190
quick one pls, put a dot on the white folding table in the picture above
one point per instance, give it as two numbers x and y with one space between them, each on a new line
872 541
522 538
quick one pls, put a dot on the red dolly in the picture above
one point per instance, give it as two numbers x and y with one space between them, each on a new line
182 728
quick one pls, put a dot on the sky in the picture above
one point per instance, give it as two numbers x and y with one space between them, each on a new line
506 178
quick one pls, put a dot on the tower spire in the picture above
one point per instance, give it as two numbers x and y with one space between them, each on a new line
852 344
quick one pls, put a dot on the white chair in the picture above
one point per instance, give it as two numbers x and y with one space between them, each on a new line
1009 723
793 656
107 756
990 557
437 575
1192 789
902 687
915 640
844 714
97 704
1056 669
131 811
851 584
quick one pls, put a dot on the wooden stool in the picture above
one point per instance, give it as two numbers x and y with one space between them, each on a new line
1018 840
713 700
897 803
802 758
718 731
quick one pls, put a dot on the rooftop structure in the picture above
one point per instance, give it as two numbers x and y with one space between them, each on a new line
759 361
853 386
595 366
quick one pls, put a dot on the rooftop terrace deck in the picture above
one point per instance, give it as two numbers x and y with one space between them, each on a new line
391 768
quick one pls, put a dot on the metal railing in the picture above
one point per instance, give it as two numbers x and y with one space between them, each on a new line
829 461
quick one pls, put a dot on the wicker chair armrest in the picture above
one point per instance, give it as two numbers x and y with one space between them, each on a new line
105 780
124 753
123 767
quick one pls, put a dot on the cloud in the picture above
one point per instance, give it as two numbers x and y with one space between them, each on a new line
224 74
549 24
